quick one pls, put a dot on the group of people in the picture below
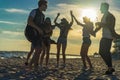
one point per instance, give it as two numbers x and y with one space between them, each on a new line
39 30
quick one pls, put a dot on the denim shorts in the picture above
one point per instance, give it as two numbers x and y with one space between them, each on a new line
62 41
86 40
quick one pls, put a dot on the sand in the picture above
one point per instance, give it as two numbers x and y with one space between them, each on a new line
14 69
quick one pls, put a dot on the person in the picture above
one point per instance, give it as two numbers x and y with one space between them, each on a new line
48 30
64 27
108 34
34 25
87 31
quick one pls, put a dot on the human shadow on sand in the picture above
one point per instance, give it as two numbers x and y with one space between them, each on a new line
106 77
27 75
89 75
84 75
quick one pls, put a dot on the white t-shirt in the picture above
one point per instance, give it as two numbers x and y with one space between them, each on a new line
105 31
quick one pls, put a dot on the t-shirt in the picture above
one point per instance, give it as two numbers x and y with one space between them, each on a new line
64 29
106 33
40 16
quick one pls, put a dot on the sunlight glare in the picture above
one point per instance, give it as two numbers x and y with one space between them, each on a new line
90 13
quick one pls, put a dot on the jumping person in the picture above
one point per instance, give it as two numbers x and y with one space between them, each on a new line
87 31
64 27
47 30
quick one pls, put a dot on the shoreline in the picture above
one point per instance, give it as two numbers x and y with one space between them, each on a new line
23 54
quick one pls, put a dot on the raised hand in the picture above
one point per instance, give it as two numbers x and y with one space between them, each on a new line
71 13
58 14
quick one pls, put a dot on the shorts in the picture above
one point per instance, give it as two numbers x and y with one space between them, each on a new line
86 40
46 41
37 43
62 41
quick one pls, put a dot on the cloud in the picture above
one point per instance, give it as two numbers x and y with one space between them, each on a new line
14 10
67 7
8 22
12 33
63 9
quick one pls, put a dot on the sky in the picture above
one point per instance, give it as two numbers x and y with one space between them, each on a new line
14 14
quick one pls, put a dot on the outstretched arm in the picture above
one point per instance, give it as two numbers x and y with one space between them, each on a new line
77 21
71 23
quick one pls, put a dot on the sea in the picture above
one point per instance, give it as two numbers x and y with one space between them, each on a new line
23 54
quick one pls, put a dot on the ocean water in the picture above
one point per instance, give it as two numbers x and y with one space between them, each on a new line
11 54
23 54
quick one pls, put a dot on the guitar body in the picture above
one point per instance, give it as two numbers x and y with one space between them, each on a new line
31 34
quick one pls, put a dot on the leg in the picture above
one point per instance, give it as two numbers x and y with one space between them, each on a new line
58 53
104 50
83 55
29 54
63 52
87 57
105 54
35 58
42 57
47 55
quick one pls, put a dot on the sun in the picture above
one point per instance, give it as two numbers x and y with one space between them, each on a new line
90 13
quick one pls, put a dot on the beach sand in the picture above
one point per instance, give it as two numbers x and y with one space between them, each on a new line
14 69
